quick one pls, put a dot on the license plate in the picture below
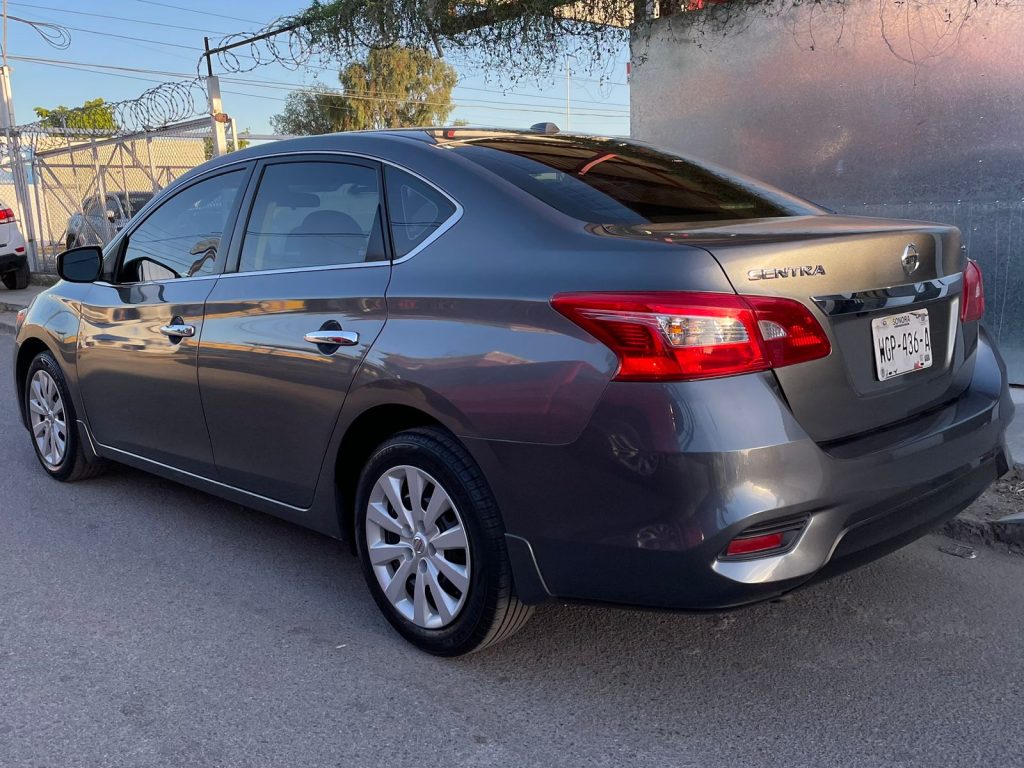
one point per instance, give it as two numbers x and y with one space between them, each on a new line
903 343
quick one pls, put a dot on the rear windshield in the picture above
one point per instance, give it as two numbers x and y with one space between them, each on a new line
136 200
613 182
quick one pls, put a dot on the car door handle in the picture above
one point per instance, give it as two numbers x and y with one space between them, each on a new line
178 330
337 338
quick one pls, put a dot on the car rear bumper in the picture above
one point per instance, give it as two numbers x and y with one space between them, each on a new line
12 261
641 507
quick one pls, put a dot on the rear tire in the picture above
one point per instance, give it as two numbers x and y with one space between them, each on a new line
444 500
18 279
53 429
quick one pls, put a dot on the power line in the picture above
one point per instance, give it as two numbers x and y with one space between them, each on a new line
523 108
64 62
115 18
395 97
201 12
275 85
192 48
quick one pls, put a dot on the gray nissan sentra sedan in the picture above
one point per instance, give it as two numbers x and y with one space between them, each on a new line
511 365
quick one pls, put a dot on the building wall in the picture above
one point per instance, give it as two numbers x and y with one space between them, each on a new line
873 107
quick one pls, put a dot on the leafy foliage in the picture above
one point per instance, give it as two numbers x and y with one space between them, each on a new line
95 116
392 88
516 37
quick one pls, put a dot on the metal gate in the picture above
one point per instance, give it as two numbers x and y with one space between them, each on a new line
84 191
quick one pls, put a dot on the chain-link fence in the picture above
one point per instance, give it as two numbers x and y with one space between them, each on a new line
85 191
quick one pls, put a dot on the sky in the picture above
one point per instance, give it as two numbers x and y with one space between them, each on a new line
110 39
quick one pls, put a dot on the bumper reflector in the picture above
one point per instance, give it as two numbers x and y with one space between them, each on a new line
750 545
768 538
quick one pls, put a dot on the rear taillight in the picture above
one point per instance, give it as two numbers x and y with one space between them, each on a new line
973 306
6 215
668 336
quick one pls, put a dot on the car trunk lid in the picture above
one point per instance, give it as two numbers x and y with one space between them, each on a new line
848 271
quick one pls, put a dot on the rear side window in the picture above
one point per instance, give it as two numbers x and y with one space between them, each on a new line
416 209
614 182
181 238
314 214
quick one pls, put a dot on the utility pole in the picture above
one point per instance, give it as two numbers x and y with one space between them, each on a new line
14 152
217 116
220 144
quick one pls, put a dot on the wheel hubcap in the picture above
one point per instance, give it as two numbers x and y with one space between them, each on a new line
47 418
418 547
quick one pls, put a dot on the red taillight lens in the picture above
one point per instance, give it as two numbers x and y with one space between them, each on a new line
973 306
667 336
6 214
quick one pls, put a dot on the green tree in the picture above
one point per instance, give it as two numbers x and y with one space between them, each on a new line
243 142
392 88
312 112
95 116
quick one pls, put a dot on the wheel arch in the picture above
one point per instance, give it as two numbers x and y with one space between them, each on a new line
28 350
367 431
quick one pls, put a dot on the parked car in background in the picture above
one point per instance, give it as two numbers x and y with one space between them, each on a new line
100 219
14 269
511 366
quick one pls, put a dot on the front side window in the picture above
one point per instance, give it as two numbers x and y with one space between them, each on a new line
182 237
416 210
314 214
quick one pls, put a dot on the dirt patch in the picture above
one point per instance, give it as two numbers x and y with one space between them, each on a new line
982 521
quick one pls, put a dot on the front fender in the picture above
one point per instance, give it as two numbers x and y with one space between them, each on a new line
52 323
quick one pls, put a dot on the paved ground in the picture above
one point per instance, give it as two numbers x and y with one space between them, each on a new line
145 624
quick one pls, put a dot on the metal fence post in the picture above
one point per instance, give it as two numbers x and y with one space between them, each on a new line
101 188
17 164
217 116
43 235
152 171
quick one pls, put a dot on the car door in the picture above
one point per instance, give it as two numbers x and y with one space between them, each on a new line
141 325
311 260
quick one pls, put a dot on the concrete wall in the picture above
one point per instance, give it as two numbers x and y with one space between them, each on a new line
872 107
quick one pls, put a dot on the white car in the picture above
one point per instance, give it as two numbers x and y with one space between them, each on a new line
14 270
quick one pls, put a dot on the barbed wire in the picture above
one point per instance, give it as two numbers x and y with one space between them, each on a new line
161 105
281 41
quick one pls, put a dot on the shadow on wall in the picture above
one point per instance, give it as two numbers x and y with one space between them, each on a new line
908 110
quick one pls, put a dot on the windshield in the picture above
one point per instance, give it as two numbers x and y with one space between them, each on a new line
616 182
135 201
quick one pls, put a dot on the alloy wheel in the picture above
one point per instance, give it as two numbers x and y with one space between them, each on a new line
418 547
48 419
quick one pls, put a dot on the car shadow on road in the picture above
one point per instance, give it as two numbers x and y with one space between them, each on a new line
222 598
315 567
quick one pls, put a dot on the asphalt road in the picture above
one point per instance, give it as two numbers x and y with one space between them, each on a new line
146 624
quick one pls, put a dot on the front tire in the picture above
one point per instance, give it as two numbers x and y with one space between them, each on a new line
51 418
18 279
432 545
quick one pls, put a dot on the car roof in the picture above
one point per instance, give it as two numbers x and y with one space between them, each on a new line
383 139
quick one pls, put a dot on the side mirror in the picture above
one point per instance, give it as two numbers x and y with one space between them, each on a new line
80 265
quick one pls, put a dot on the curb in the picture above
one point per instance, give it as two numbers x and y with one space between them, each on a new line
1007 531
43 278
